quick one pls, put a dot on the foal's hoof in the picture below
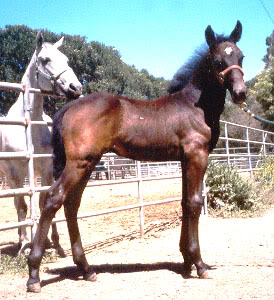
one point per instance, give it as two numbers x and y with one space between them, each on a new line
60 251
34 287
204 275
186 272
90 277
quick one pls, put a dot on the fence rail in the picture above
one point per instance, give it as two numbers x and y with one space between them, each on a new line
117 170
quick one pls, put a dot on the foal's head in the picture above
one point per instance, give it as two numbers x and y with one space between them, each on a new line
226 59
53 73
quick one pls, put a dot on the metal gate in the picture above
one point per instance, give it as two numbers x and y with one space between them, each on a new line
143 170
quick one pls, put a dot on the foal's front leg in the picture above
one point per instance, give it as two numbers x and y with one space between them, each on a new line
71 207
78 180
193 171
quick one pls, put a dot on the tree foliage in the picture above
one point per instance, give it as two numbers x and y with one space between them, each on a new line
97 66
269 50
263 91
17 46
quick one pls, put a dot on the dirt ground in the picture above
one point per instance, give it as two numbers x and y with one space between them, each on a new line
239 251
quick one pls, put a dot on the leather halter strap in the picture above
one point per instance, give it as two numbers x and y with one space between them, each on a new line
221 75
51 77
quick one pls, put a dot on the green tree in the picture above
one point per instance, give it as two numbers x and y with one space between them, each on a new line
17 46
269 50
98 67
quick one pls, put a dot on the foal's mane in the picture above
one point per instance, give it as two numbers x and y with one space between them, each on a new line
184 74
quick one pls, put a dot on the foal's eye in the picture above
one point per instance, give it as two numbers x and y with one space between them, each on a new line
218 64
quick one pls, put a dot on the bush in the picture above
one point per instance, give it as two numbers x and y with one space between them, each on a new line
13 265
19 263
266 174
226 189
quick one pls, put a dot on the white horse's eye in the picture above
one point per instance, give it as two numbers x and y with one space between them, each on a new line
45 61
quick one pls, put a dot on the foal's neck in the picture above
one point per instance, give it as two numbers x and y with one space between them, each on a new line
210 95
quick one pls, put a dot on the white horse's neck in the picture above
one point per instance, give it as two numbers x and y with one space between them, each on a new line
36 101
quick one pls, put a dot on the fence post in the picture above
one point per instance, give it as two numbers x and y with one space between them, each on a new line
30 151
248 153
264 139
227 144
140 195
204 196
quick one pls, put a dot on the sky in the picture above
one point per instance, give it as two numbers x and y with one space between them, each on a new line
157 35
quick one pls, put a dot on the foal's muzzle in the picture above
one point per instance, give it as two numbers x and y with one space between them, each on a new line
238 89
239 94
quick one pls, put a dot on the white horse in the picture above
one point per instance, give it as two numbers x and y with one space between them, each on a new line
48 70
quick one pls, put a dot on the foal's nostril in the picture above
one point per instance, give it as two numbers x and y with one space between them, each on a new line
240 95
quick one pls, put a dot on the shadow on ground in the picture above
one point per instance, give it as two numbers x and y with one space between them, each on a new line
73 272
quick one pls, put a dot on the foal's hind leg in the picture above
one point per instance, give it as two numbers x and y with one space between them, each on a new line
68 187
53 203
47 179
194 167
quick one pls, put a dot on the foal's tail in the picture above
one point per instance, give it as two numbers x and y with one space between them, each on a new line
59 154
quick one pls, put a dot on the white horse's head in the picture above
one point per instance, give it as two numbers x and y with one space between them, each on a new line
53 73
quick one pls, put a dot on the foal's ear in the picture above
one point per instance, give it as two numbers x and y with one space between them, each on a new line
59 43
39 40
236 33
210 36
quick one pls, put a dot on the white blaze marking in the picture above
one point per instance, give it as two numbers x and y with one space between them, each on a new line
228 50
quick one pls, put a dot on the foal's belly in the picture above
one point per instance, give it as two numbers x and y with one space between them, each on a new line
150 152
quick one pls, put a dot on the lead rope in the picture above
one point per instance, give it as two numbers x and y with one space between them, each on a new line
244 108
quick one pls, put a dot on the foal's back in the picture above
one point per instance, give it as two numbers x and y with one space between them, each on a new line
138 129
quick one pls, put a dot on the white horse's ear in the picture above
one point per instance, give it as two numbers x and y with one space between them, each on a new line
59 43
39 40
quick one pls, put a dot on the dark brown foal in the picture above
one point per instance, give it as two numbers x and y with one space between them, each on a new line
181 126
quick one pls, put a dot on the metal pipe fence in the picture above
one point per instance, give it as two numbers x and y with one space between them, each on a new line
27 155
117 170
246 158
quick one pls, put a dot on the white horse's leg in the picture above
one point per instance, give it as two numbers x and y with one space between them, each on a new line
21 208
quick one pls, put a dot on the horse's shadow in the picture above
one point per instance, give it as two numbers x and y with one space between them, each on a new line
12 249
73 273
9 248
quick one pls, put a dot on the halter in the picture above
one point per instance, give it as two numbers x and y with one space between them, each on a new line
221 75
51 77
